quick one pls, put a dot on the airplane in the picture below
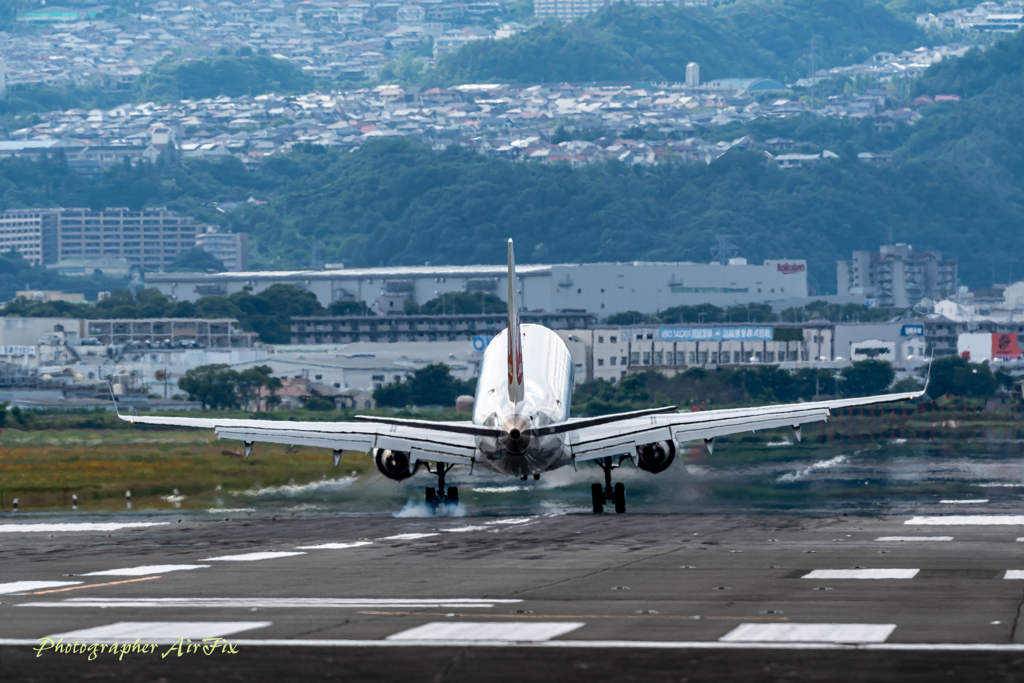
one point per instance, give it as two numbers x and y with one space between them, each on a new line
521 425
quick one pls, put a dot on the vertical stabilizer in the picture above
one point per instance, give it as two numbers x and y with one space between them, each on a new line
515 337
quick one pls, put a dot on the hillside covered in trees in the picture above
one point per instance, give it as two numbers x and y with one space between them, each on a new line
397 202
626 42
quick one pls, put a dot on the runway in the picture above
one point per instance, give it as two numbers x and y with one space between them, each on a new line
640 597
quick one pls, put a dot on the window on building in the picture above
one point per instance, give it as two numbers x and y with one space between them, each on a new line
735 356
613 340
658 358
714 356
611 361
600 361
623 361
702 357
647 357
319 376
600 340
634 358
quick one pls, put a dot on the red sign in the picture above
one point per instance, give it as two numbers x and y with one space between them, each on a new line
790 268
1005 346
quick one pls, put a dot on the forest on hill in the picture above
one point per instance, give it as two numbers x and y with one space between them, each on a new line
625 42
397 202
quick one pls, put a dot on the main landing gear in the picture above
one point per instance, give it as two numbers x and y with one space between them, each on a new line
616 494
437 497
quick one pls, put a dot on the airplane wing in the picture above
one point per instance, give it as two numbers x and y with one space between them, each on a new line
622 437
439 442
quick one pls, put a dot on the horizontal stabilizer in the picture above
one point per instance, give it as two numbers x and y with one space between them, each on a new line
594 421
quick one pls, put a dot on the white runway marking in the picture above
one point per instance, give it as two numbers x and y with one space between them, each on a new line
517 520
74 526
964 502
862 574
22 586
914 538
406 537
335 546
158 631
217 511
809 633
969 520
465 528
612 644
488 631
148 569
1014 574
249 603
251 557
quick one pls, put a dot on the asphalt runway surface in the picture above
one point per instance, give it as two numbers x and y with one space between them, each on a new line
573 597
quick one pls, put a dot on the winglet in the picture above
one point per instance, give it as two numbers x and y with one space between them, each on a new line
113 399
515 338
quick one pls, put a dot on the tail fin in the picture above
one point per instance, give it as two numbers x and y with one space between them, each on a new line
515 337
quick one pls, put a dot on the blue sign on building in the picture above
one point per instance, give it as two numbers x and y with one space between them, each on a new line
715 334
912 331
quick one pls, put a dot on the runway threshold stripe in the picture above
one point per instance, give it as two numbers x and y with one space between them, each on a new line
608 644
335 546
968 520
913 538
489 631
809 633
861 574
1013 574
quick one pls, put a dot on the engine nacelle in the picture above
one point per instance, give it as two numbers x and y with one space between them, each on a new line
394 464
655 457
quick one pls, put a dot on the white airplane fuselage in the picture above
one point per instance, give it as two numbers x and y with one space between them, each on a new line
548 381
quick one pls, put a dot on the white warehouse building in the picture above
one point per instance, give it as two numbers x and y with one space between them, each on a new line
599 288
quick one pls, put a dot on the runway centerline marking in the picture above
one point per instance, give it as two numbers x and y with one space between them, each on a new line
407 537
335 546
147 570
159 631
809 633
470 631
1013 574
914 538
89 585
460 529
286 603
974 501
74 526
969 520
252 557
861 574
23 586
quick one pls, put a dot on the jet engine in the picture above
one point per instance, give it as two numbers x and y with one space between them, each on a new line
394 464
655 457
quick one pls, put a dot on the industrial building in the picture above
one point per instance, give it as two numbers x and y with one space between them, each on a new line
897 276
599 288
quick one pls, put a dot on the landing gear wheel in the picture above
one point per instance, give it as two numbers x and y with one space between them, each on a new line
597 494
619 498
432 500
453 496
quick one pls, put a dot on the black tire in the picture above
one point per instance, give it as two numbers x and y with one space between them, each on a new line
619 498
453 496
431 496
597 494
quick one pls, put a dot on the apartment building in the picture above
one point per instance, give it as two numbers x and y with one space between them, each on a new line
231 248
897 276
30 232
151 238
